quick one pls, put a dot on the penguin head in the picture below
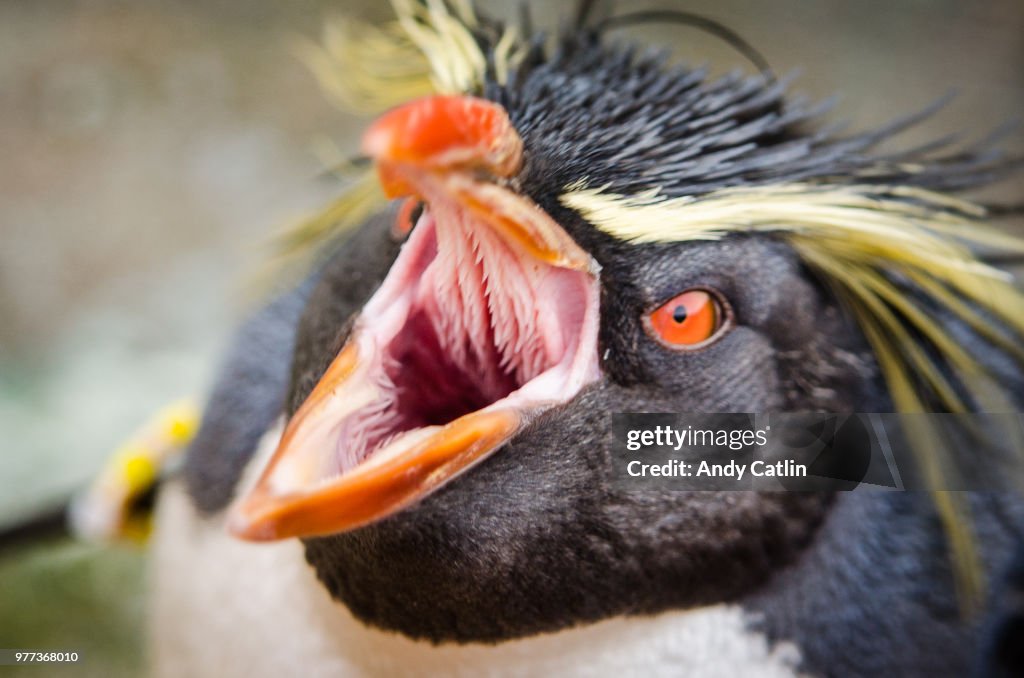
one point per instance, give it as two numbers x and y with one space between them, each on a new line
586 232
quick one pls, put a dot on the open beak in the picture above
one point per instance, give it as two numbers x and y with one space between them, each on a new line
488 317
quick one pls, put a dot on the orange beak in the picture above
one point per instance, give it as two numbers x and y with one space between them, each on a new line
445 134
372 490
450 152
456 138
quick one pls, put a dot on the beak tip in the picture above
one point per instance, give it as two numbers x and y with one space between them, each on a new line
241 525
446 132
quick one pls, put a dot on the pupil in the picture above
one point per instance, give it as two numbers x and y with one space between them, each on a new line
679 315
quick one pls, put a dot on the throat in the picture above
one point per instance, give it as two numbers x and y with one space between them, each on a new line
463 322
433 384
473 335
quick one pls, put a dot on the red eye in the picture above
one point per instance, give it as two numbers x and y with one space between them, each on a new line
687 320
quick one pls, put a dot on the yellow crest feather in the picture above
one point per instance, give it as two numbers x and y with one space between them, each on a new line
427 49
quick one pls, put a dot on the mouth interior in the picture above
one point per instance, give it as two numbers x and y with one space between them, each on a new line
464 321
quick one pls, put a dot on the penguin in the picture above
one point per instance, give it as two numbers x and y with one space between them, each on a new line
405 464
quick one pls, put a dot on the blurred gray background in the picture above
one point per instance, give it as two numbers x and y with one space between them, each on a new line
148 150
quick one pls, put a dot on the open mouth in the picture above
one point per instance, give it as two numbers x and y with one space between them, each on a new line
487 318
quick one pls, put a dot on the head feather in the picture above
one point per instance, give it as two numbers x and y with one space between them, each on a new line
870 243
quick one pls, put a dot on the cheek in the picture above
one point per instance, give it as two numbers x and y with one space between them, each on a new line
737 374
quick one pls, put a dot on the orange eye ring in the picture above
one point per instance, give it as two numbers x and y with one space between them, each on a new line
688 321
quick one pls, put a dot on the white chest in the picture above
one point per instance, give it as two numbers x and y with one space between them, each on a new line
222 607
